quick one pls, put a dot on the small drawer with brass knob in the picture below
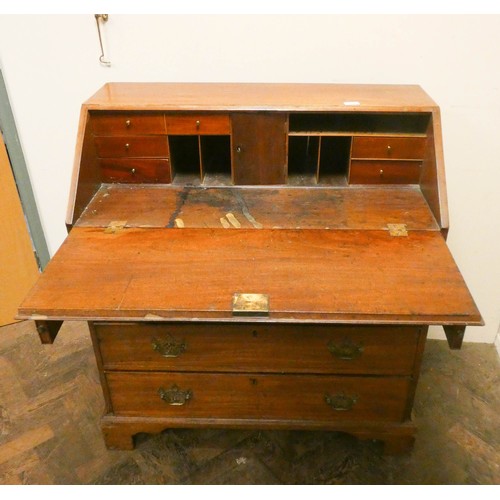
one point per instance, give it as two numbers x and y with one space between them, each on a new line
148 146
118 123
388 147
197 124
137 171
384 172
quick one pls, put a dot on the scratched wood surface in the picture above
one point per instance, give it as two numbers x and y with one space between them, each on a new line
333 208
354 276
51 403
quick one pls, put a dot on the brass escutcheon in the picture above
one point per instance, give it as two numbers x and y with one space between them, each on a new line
347 349
341 402
175 396
170 347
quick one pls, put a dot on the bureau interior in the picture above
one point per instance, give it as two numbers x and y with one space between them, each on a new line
300 149
318 146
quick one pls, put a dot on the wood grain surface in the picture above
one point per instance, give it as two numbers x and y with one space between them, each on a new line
252 96
387 350
291 208
345 276
239 396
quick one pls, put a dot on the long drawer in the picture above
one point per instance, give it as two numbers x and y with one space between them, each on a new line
258 348
291 397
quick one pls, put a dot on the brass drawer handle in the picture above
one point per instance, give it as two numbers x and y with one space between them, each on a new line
198 124
341 402
347 349
175 396
127 123
169 348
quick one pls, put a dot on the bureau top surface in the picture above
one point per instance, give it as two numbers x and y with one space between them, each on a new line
261 96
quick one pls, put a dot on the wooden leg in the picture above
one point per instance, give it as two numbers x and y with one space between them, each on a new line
119 431
118 438
398 445
47 330
454 335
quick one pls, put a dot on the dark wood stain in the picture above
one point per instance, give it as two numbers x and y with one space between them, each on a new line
334 208
182 196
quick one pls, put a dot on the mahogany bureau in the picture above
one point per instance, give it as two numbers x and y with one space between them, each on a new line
257 256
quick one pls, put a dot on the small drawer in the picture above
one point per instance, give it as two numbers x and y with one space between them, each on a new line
384 172
191 124
400 148
128 123
132 147
258 348
135 171
254 396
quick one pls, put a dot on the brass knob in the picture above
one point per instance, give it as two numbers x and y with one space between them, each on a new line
381 173
127 123
238 149
389 148
197 123
132 171
127 145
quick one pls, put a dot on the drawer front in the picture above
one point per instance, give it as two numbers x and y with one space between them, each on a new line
194 124
401 148
384 172
135 171
291 397
258 348
128 123
132 147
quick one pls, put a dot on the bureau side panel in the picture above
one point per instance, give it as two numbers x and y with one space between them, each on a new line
432 180
98 356
86 177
